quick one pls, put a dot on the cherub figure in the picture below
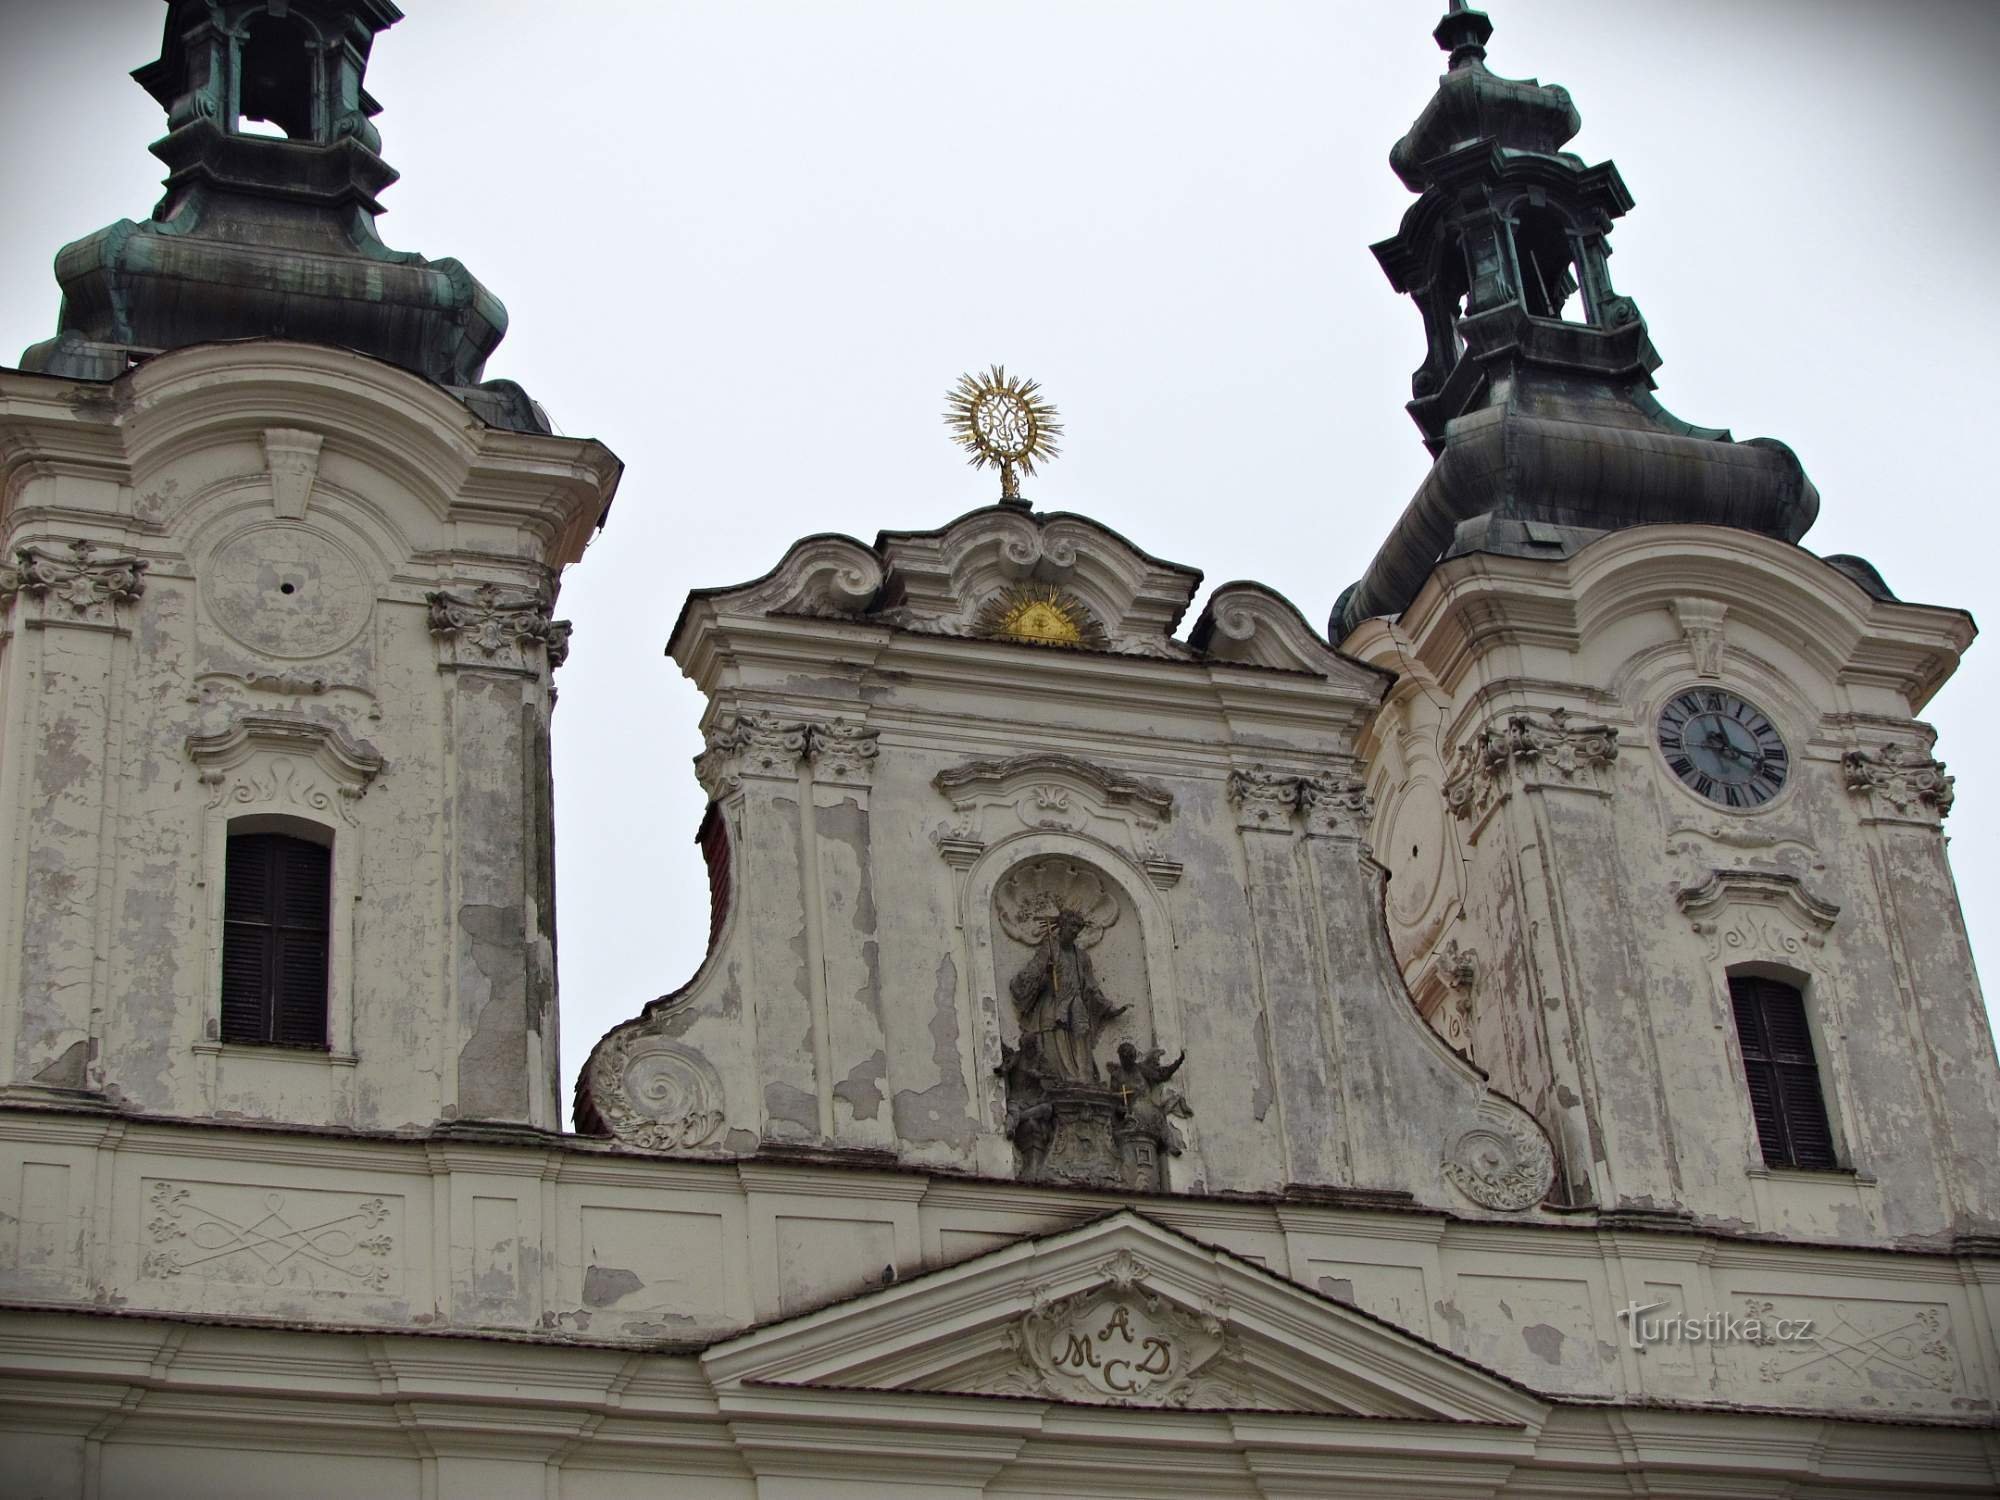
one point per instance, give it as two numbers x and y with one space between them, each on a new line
1148 1103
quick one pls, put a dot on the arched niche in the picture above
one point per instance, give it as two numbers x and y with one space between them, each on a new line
1008 895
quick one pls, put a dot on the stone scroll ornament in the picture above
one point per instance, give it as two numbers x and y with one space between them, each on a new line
1503 1162
656 1094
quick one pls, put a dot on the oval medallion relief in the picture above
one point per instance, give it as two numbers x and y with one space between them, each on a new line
284 591
1413 848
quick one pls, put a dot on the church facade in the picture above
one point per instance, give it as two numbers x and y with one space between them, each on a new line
1521 1041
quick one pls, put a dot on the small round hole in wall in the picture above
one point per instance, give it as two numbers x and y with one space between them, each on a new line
287 588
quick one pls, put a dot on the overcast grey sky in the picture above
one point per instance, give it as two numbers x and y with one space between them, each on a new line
749 246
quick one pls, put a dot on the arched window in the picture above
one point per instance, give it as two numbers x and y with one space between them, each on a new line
1781 1073
1548 265
274 940
277 78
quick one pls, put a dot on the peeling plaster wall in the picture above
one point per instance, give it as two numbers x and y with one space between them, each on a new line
302 628
1601 997
553 1243
884 790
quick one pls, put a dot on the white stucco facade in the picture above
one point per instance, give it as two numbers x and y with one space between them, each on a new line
1133 1057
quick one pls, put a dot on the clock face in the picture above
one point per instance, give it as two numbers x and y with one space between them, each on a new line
1722 747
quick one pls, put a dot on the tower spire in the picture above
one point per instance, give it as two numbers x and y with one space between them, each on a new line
1464 33
1535 396
270 232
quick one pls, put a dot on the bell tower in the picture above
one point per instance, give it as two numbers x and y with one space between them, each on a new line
277 633
1663 827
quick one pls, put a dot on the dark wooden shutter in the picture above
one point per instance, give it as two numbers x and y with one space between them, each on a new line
274 944
1781 1073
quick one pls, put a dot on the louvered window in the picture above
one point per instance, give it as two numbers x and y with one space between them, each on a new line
1782 1076
274 942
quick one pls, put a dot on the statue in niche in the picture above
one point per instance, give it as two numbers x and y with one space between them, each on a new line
1062 1010
1069 1119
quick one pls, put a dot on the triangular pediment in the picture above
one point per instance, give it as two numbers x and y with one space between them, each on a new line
1121 1312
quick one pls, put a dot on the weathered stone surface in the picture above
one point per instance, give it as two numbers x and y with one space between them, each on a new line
232 621
996 884
1609 903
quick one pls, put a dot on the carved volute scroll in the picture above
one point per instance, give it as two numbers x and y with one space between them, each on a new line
1503 1161
653 1093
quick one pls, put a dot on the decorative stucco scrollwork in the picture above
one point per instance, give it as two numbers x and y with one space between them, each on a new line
1503 1162
655 1094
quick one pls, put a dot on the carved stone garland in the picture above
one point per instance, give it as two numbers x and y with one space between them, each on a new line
656 1094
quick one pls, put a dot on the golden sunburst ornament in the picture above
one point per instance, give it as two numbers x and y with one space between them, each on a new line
1001 420
1042 615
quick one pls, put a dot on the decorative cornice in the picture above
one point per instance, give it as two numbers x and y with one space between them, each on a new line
86 582
257 759
1112 788
1902 784
1541 750
495 627
1774 888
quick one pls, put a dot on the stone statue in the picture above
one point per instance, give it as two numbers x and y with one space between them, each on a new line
1149 1105
1061 1008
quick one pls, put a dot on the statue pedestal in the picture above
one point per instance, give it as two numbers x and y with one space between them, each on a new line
1090 1140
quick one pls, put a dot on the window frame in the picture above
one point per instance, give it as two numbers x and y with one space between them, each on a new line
274 929
1767 1056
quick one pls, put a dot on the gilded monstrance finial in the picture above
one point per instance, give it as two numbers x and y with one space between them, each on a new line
1001 421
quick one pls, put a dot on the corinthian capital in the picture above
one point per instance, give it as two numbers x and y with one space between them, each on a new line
1901 783
1533 750
497 627
78 582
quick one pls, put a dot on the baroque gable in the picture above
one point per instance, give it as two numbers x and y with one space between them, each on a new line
1120 1312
